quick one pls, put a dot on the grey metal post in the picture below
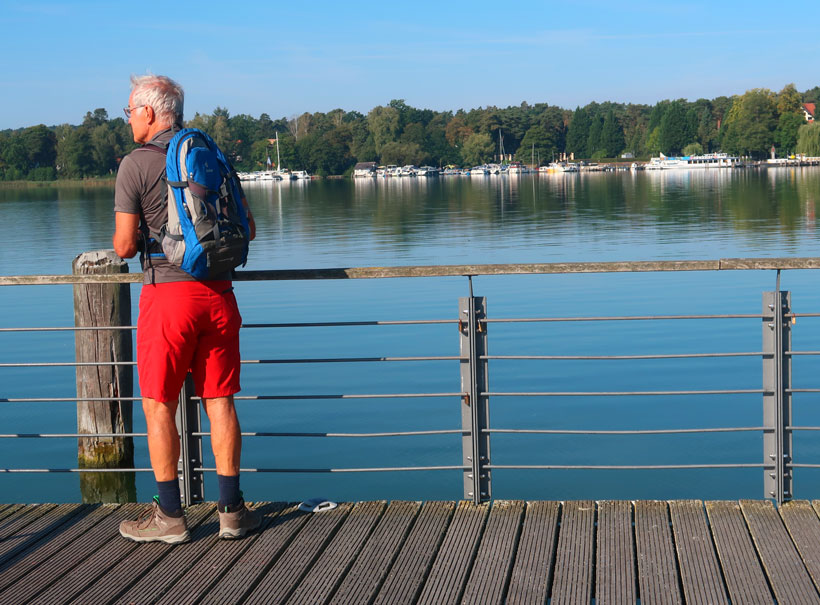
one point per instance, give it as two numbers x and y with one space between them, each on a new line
189 421
475 406
777 400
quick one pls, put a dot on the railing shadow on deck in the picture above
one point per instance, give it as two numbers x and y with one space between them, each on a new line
474 324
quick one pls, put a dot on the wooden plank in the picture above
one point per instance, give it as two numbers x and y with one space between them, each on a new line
9 509
804 528
40 529
405 579
328 571
699 568
657 572
254 562
575 556
787 574
165 572
615 561
494 560
744 577
283 577
25 589
21 564
138 560
448 574
365 577
16 522
534 559
196 582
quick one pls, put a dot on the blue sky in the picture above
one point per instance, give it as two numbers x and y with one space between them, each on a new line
59 60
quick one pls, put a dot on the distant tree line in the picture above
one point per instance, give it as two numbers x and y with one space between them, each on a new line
331 143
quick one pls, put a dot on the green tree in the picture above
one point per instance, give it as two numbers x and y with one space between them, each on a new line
401 154
808 140
751 123
693 149
478 149
536 142
674 131
383 123
73 158
594 138
785 136
41 146
612 136
578 133
789 100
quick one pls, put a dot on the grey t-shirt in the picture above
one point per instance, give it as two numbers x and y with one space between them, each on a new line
141 189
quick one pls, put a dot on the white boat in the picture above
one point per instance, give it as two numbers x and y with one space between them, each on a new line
515 168
300 174
693 162
479 171
408 170
427 171
570 167
282 174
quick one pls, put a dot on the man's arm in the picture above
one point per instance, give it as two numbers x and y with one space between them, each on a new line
126 228
251 221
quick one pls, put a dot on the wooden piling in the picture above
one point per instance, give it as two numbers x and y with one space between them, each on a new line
102 305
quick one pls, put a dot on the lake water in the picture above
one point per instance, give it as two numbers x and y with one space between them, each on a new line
461 220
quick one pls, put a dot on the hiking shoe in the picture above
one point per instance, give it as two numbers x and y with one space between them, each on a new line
155 526
237 524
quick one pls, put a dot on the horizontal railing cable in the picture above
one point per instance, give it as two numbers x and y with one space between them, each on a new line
344 324
69 435
629 432
334 435
621 357
385 469
621 467
622 318
622 393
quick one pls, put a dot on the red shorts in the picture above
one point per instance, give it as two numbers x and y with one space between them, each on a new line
186 326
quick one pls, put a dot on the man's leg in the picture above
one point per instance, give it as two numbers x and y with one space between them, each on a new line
163 448
226 442
163 438
235 519
166 521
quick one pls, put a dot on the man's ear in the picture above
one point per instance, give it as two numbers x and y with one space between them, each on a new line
150 116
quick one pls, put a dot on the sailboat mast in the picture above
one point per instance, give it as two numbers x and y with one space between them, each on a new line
278 164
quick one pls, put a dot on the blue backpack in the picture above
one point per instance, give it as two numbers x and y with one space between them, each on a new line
207 232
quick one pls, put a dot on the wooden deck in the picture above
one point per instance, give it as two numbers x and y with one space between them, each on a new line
433 552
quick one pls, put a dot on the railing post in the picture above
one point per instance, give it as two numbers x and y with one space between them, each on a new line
107 378
189 421
777 400
475 406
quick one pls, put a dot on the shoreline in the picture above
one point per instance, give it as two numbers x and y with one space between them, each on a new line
93 182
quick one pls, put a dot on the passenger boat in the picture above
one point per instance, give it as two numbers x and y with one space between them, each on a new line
693 162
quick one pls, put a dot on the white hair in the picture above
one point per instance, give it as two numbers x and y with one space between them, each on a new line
165 96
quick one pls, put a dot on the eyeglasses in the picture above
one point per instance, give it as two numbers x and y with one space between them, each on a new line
129 110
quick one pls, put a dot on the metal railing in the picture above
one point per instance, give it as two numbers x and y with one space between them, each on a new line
473 359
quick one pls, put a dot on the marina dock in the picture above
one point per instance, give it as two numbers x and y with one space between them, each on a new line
434 552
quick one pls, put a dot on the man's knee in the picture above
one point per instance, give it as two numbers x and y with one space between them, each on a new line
159 410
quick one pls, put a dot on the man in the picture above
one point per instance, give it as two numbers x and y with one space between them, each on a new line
183 324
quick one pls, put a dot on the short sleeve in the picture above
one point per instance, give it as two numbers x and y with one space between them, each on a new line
128 187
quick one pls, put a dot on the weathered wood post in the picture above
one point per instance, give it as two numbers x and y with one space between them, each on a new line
102 305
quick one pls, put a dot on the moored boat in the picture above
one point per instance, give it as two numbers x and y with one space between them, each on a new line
693 162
